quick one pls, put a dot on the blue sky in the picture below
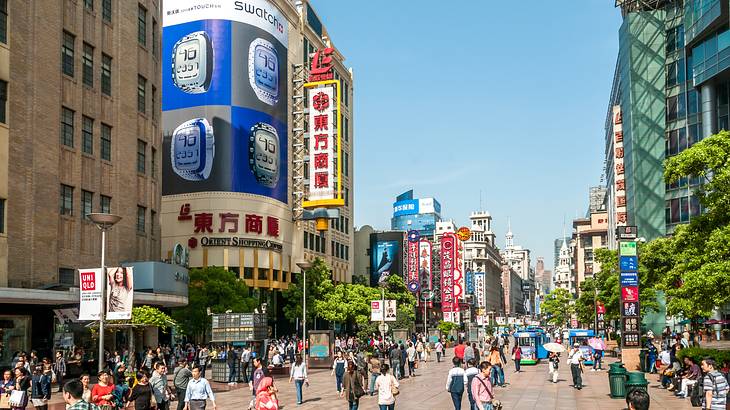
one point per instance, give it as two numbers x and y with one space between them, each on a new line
457 97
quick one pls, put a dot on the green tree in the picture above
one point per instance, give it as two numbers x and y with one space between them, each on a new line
319 285
558 306
214 288
584 305
693 266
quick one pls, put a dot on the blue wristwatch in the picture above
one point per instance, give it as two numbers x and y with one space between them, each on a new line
263 70
264 154
192 149
192 63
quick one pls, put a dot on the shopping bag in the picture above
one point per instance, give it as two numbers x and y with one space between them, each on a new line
5 401
17 398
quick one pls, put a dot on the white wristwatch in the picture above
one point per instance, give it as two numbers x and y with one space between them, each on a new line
263 70
192 149
263 150
192 63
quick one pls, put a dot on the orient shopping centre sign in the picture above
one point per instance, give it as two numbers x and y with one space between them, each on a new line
261 232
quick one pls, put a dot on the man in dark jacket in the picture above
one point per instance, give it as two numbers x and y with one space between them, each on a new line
231 360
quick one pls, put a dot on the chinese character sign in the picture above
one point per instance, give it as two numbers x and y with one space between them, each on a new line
618 159
90 294
448 261
324 177
424 264
479 289
629 282
376 310
413 260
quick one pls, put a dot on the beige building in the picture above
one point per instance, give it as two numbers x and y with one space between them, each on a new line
589 234
80 104
258 237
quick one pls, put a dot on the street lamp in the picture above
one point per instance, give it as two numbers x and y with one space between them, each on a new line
304 266
104 222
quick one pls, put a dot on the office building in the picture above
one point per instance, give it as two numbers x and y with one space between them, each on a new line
482 257
542 276
589 234
557 244
419 214
563 277
80 92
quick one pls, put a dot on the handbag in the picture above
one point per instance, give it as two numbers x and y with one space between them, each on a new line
17 398
393 389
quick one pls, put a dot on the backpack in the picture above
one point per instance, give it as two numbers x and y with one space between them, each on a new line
457 384
469 379
696 393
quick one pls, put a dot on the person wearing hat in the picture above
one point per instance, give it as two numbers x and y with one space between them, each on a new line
575 360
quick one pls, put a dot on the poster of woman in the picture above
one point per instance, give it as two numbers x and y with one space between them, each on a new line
120 293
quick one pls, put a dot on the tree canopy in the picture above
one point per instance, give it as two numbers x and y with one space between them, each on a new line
558 306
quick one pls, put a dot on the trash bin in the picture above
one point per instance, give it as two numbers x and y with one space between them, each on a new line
643 357
636 380
617 380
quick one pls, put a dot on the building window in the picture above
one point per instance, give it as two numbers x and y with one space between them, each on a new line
67 276
675 38
346 165
346 129
89 4
67 200
141 223
106 142
105 204
306 242
154 38
332 247
3 101
67 127
87 203
88 67
141 156
142 25
106 10
87 135
153 162
4 21
2 215
106 74
141 93
67 54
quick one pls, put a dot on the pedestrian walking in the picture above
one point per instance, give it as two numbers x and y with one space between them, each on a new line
59 367
517 356
553 364
266 395
598 360
22 383
439 350
374 366
459 350
495 358
231 360
101 393
180 379
245 359
394 356
412 357
477 358
471 372
73 392
352 386
715 386
298 374
575 359
41 388
481 388
387 387
158 383
198 392
468 353
141 394
256 377
338 370
456 383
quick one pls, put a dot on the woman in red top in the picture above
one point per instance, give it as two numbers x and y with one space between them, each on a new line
101 393
517 356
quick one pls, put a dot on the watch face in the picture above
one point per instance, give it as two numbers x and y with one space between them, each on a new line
266 66
187 60
189 147
266 147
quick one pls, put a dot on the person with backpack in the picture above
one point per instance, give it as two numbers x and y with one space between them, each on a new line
481 387
715 386
352 386
470 372
456 382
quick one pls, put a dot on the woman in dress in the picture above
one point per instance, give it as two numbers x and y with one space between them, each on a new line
266 395
120 288
384 385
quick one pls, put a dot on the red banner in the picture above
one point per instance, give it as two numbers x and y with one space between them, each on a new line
413 282
448 261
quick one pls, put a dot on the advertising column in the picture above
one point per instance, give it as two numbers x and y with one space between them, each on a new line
413 284
630 308
448 260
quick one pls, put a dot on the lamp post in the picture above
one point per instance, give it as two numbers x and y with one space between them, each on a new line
304 266
104 222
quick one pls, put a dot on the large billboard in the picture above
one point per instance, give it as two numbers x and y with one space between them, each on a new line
449 303
385 261
416 206
225 82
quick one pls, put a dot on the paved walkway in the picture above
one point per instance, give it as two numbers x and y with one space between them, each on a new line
529 389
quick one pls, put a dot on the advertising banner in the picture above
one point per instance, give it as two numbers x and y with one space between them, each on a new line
469 278
383 255
225 114
90 294
429 206
479 291
406 207
376 310
629 282
424 264
119 293
322 132
413 283
621 216
390 310
629 279
448 261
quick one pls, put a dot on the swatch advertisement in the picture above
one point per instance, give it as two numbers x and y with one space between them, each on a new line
383 264
224 87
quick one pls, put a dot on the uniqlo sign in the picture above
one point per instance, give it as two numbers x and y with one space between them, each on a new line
448 260
88 281
322 131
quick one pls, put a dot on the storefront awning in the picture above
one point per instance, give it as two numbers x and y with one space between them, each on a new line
71 296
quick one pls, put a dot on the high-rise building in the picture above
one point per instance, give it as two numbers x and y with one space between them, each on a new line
419 214
557 244
563 277
80 133
482 257
542 276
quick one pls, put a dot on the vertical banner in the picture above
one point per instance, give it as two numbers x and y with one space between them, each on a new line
621 216
376 311
322 143
413 283
119 293
479 289
90 294
629 282
390 313
459 282
448 260
600 316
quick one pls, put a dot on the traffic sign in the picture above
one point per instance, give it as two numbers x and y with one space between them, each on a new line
427 295
627 248
383 327
413 236
629 263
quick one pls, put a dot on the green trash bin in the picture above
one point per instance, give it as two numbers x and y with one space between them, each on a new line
617 380
636 380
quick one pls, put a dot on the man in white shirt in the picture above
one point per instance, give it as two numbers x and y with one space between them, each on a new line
575 360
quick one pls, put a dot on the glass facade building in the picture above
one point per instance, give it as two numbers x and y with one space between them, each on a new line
420 214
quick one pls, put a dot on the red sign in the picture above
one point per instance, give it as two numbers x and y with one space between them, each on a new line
448 260
630 293
204 222
413 266
600 308
88 281
322 65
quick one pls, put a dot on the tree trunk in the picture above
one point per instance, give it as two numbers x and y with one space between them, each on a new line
130 348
